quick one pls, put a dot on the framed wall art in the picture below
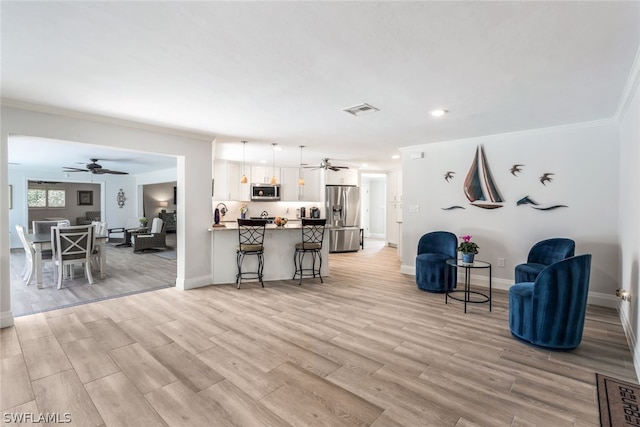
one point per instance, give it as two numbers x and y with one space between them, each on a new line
85 198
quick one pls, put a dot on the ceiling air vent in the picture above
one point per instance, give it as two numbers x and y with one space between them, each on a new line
362 109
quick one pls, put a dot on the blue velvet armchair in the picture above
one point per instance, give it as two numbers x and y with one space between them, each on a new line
543 254
550 311
434 249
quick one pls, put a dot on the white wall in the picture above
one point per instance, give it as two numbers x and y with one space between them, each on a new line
585 161
629 217
377 207
193 160
154 194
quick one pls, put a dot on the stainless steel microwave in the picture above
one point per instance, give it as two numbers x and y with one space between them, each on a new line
265 192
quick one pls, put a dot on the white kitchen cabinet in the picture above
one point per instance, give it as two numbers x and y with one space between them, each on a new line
342 177
394 208
394 187
226 180
312 186
392 225
263 174
290 191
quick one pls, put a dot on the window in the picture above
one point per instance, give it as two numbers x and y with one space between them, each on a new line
42 198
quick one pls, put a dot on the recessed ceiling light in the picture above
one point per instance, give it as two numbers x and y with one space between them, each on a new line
395 156
263 161
364 165
439 112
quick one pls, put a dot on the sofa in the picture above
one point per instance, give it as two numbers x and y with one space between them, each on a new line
88 218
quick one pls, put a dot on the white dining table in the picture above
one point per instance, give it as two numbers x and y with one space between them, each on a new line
42 242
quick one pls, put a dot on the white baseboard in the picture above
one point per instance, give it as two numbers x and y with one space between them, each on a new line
604 300
6 319
408 269
595 298
631 338
193 282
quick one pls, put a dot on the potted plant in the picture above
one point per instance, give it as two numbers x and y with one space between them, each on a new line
143 222
468 249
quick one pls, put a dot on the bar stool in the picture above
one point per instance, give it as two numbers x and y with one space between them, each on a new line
312 236
251 238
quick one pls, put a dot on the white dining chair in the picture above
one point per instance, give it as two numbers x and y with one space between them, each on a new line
29 254
100 229
42 227
72 246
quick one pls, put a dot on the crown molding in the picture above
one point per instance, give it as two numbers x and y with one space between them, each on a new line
74 114
630 88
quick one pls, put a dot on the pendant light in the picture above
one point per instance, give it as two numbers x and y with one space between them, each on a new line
300 172
274 180
244 178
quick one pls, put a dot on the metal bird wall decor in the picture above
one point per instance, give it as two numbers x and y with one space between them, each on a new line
546 177
480 186
515 169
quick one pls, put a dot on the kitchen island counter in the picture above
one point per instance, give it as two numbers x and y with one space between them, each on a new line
279 249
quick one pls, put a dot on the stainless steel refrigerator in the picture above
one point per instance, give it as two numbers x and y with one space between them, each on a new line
343 217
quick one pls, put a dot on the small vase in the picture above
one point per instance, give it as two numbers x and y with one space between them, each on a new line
467 257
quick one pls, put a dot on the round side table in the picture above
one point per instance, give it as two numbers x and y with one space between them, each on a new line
480 297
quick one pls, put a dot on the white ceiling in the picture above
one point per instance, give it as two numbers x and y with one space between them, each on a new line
283 71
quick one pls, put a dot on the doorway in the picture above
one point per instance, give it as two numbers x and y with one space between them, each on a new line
373 194
45 169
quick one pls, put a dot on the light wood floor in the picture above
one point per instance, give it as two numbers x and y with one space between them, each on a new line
126 272
364 348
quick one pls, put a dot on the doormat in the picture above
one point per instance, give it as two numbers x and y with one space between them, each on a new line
619 402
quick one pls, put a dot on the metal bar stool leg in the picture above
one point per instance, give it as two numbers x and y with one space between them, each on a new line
260 267
320 266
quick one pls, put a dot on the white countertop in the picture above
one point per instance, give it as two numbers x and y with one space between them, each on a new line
234 226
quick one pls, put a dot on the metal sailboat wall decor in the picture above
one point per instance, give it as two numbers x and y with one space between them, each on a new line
479 186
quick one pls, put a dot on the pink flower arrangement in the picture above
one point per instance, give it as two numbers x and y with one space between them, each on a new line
467 245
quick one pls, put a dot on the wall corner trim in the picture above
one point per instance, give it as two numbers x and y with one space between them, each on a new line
629 91
6 319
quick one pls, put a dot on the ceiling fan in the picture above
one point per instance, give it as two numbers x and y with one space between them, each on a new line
95 168
326 165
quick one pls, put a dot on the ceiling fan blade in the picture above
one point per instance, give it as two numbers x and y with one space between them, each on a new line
69 169
102 171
